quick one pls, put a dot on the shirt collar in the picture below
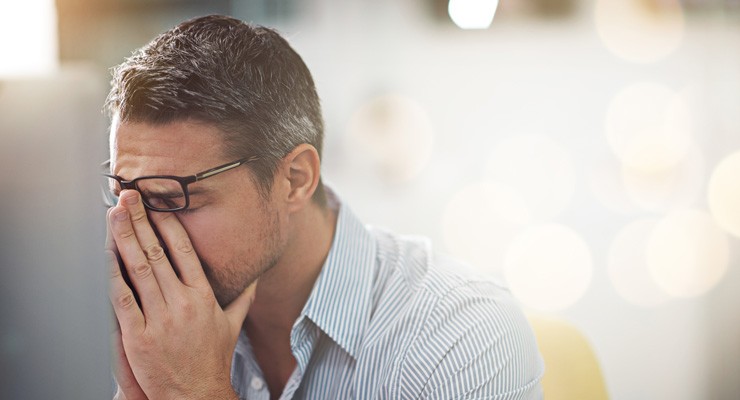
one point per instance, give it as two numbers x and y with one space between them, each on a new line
340 301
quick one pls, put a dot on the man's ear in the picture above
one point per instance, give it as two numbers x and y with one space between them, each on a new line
302 168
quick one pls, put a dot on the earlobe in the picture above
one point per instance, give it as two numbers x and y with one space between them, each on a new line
303 169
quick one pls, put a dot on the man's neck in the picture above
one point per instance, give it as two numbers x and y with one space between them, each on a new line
284 289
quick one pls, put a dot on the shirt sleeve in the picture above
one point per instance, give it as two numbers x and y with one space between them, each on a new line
477 344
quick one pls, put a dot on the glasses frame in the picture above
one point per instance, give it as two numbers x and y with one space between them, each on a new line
183 180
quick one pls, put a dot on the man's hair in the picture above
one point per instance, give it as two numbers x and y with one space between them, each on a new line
244 79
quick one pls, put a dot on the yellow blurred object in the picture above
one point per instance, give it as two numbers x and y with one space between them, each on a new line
571 368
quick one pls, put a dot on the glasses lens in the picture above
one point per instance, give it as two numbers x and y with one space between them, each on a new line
161 193
110 189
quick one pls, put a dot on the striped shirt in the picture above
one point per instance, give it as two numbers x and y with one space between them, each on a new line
389 319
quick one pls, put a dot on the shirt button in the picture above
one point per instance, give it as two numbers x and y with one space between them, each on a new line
257 383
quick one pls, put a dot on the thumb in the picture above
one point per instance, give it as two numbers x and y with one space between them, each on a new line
237 310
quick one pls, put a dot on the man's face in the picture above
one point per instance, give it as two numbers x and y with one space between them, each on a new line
236 233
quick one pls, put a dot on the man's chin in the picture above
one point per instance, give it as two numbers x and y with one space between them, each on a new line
226 296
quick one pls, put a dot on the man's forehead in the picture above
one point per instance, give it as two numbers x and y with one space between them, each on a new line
180 131
177 147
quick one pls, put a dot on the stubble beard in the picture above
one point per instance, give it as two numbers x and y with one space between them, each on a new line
229 281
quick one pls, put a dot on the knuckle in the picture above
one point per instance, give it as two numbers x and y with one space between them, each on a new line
154 252
138 216
126 300
184 245
188 310
126 233
207 296
210 301
142 269
160 217
165 216
114 269
167 322
145 343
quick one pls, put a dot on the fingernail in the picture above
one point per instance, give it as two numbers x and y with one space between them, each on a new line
132 199
121 216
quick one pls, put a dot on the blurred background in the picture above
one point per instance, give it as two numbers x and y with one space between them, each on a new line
587 152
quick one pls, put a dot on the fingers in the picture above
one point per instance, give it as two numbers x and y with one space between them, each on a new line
137 265
149 243
237 311
121 296
122 299
128 388
181 249
109 243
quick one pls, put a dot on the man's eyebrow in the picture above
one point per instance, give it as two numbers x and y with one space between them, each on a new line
163 194
176 194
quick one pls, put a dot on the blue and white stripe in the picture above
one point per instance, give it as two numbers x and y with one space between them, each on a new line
388 319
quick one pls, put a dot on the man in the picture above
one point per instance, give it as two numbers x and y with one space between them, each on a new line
250 279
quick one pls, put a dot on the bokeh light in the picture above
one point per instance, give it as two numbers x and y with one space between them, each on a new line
606 184
663 190
648 127
396 132
480 222
549 267
724 194
627 265
687 253
472 14
28 38
539 169
640 30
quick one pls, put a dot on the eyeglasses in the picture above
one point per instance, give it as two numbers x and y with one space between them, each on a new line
164 193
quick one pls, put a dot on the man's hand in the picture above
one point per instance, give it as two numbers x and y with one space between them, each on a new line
128 388
179 343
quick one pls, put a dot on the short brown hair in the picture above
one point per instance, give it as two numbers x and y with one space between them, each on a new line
243 78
